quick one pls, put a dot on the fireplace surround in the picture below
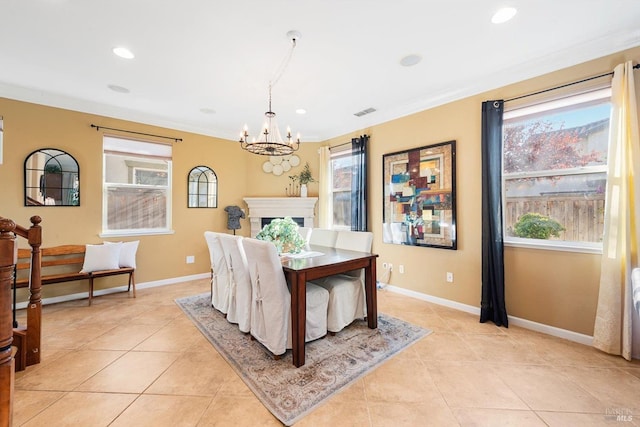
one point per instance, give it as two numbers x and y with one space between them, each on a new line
299 208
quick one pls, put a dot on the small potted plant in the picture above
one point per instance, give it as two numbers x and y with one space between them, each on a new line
303 178
283 233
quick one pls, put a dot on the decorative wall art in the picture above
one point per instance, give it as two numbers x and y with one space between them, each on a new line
202 188
419 206
51 178
277 165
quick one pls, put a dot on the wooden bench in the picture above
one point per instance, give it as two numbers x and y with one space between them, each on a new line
63 264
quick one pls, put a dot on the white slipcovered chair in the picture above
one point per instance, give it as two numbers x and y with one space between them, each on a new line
347 299
240 283
271 300
305 233
220 282
323 237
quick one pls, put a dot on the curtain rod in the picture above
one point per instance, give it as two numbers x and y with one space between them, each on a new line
347 143
137 133
339 145
635 67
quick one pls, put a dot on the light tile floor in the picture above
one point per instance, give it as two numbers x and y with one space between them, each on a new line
141 362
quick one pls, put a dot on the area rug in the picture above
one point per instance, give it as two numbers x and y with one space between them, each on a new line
331 364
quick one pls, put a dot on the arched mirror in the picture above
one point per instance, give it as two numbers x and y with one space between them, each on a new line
202 188
51 178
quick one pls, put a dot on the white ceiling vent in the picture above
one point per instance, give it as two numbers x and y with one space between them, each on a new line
363 112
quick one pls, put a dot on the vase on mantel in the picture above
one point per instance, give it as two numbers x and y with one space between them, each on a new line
303 190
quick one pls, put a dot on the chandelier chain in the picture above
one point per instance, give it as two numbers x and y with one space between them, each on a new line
282 67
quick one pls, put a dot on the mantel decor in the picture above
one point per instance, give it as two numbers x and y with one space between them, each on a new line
298 185
420 196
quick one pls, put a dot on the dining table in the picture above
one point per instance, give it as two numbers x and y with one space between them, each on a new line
317 262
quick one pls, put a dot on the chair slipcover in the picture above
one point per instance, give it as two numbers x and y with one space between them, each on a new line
219 273
305 233
240 283
347 299
323 237
271 300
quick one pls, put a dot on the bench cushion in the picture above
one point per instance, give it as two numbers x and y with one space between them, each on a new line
127 253
101 257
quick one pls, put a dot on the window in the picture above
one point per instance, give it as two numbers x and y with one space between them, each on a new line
554 171
202 188
341 174
136 187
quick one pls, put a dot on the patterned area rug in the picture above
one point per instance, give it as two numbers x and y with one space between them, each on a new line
331 364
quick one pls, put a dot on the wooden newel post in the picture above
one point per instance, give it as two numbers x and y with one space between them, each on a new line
8 258
34 309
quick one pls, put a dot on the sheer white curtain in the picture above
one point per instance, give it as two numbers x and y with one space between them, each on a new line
324 197
614 325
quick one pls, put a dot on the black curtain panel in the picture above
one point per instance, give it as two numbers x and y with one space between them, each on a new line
359 184
492 304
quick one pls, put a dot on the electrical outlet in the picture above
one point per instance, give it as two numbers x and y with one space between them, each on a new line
390 267
191 259
385 265
449 277
401 269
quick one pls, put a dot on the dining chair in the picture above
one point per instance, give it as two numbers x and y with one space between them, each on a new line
323 237
271 300
305 233
219 272
347 301
239 311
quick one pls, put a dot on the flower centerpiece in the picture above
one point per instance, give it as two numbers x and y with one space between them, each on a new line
283 232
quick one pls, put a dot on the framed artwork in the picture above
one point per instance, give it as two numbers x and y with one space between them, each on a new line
419 196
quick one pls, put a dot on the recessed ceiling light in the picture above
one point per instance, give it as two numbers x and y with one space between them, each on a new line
123 52
206 110
301 111
410 60
503 15
118 89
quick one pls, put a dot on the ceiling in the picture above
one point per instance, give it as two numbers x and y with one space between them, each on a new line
204 66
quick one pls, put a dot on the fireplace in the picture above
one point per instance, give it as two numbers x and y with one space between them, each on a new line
297 219
300 209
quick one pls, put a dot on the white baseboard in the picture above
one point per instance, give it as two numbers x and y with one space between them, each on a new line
515 321
115 289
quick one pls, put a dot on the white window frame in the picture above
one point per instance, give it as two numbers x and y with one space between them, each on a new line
554 245
334 155
141 150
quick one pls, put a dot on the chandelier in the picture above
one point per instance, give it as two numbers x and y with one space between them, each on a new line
269 142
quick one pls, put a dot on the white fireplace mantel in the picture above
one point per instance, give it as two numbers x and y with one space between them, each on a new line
279 207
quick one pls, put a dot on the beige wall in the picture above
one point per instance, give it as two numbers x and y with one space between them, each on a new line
29 127
269 185
549 287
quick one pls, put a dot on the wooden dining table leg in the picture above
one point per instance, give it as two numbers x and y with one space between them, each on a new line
298 283
371 294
